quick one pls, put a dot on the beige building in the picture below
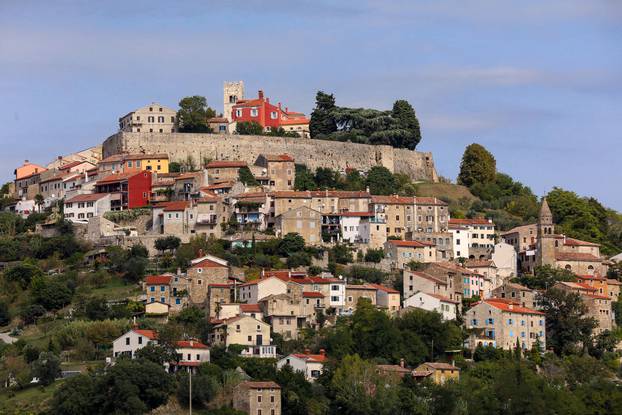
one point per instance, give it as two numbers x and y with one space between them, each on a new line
355 292
284 313
411 217
152 118
400 253
521 237
278 171
507 322
598 305
242 330
257 398
387 298
302 220
440 373
224 170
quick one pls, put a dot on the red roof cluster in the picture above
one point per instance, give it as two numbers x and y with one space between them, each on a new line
312 294
474 221
385 289
250 308
505 304
158 279
410 244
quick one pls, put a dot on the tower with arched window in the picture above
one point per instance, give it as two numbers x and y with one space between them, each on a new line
545 250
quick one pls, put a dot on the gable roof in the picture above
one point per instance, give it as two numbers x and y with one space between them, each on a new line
259 385
176 206
442 298
150 334
312 294
190 344
576 256
577 242
474 221
158 279
439 366
318 358
208 261
428 277
250 308
278 157
91 197
504 304
385 289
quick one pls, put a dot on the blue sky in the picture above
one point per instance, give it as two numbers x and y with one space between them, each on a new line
538 83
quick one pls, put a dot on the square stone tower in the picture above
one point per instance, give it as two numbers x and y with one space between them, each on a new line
232 93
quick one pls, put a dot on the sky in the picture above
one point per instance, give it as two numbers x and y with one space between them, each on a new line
537 83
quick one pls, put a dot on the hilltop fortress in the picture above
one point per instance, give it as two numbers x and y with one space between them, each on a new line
313 153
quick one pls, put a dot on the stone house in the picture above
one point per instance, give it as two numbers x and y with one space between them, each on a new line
260 398
387 298
278 171
507 322
419 281
312 365
187 185
355 292
224 170
245 331
302 220
218 295
519 293
521 237
438 372
399 253
598 305
284 314
204 271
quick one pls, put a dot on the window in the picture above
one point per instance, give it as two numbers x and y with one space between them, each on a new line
254 112
127 341
162 288
160 119
274 115
238 113
140 340
152 288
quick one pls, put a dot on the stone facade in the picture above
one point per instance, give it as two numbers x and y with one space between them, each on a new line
312 153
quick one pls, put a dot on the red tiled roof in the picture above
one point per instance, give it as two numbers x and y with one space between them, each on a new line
294 121
479 263
226 163
72 164
218 119
158 279
596 296
150 334
190 175
176 206
577 242
429 201
504 304
591 277
474 221
385 289
190 344
356 214
223 185
278 157
320 358
207 263
576 256
393 200
91 197
250 308
411 244
312 294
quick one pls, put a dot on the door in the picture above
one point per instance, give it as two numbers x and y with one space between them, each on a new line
259 339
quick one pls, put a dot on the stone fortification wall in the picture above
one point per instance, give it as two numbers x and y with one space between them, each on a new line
313 153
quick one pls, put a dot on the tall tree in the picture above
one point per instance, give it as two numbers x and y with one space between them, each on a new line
478 166
246 176
322 121
249 128
380 181
193 115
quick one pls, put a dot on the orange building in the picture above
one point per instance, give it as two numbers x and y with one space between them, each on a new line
28 169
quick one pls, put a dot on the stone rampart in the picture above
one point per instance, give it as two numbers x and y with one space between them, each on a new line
313 153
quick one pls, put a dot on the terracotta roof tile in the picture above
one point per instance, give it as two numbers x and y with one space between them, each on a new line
158 279
91 197
410 244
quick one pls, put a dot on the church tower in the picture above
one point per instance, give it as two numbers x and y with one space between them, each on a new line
232 93
545 250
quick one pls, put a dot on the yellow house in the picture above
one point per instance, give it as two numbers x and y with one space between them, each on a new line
438 372
124 163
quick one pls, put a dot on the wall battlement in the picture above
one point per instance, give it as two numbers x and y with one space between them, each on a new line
312 153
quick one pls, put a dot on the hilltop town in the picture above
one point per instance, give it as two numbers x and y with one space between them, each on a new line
203 241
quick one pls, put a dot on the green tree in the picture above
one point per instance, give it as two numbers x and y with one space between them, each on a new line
53 294
39 201
322 121
546 276
46 368
361 389
380 181
23 273
478 166
174 167
77 396
167 243
204 389
5 316
326 178
566 323
304 180
374 255
249 128
246 177
291 243
408 123
193 114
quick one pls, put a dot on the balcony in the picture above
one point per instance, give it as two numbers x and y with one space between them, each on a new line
207 219
263 352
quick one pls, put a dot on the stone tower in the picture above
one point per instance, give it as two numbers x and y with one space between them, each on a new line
232 93
545 251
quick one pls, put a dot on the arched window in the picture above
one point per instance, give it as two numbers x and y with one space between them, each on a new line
568 267
556 244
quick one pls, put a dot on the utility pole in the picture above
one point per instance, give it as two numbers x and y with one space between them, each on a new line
432 350
190 389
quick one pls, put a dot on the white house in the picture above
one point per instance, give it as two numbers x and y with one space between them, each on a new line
352 229
253 291
191 353
312 365
132 341
433 302
83 207
505 258
461 240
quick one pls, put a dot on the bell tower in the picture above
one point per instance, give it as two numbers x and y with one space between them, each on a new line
545 250
232 93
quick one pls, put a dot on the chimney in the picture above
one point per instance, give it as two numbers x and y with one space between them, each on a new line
279 105
59 157
307 351
268 100
178 271
286 109
323 352
26 161
260 94
402 363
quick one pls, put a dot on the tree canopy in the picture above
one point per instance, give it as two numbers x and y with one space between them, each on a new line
478 166
193 114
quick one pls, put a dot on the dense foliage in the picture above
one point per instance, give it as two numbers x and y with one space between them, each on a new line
398 127
193 114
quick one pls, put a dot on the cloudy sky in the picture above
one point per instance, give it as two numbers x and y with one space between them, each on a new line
538 83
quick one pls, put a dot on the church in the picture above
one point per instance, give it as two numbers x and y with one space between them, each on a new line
559 251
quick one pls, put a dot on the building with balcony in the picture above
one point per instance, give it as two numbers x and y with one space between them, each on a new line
127 190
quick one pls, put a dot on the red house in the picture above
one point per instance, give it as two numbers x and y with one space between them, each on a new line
269 116
128 190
